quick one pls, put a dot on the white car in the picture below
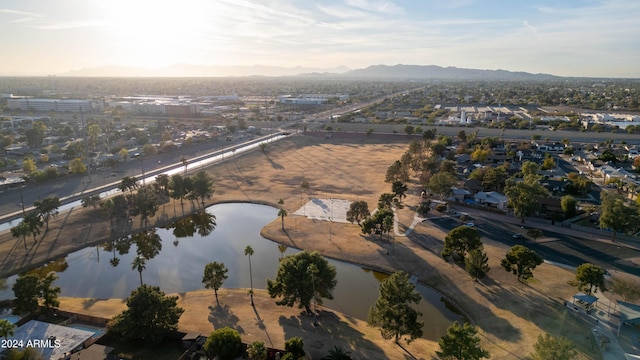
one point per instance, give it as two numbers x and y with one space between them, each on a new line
469 224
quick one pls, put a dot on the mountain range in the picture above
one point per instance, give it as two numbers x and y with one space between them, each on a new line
394 72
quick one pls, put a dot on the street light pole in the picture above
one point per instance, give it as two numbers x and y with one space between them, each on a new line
22 200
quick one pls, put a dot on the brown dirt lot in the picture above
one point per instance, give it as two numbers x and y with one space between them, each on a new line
509 317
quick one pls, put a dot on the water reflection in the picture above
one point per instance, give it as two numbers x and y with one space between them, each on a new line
106 271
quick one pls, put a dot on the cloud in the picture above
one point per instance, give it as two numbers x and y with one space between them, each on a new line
18 12
526 24
76 24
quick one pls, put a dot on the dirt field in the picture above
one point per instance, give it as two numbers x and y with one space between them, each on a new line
509 316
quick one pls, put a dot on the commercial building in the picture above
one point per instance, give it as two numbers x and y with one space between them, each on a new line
46 105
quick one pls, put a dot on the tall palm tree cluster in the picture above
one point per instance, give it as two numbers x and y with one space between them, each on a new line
145 201
33 221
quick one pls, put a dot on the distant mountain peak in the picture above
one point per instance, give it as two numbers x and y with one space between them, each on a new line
426 72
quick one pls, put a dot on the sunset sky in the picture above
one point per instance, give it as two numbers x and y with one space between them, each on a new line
566 38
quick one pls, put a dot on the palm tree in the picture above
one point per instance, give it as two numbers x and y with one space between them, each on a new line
248 251
21 231
202 186
338 353
282 212
185 163
139 263
129 183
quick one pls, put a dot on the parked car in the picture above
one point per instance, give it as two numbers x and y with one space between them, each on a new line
469 224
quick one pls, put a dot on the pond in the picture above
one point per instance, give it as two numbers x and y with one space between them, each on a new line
175 263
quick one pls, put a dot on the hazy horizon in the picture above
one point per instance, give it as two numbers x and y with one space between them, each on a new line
578 38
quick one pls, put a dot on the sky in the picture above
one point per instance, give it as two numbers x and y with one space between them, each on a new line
592 38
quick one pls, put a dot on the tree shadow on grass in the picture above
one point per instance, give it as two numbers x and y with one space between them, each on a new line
547 313
405 258
332 330
221 316
274 164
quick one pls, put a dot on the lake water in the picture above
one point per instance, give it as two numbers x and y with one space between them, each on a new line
179 264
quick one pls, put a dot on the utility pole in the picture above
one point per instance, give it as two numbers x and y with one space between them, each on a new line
22 200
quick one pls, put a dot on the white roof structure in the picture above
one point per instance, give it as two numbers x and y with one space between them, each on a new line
52 341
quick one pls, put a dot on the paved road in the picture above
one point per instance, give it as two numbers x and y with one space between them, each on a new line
10 201
561 245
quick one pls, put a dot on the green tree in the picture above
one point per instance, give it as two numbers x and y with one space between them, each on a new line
548 163
480 155
225 343
358 211
337 353
294 282
462 135
529 168
48 292
162 182
399 189
21 231
149 150
139 263
185 163
215 274
409 129
568 204
257 351
26 290
47 208
521 261
34 223
295 347
29 353
128 183
93 131
385 201
442 183
248 251
6 328
282 213
179 189
149 315
524 196
377 223
477 263
397 172
90 200
590 278
144 203
29 165
461 343
550 347
392 312
617 214
77 166
459 242
202 186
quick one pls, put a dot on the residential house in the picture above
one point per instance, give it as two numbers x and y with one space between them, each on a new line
491 198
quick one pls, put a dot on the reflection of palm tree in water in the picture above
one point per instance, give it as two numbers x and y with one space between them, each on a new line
139 263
